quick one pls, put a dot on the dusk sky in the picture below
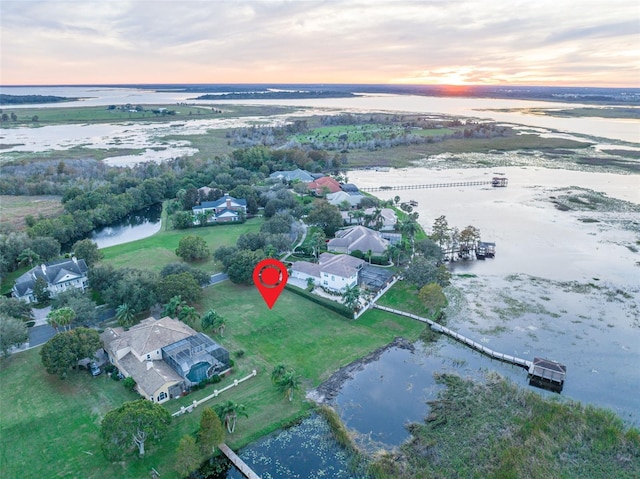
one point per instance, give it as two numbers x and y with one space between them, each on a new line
560 42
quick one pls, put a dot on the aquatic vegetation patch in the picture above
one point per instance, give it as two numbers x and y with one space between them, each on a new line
575 198
498 430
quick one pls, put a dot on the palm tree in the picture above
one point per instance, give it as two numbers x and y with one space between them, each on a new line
173 307
351 297
61 318
229 411
188 315
278 373
318 240
212 320
410 227
28 256
288 384
393 250
125 315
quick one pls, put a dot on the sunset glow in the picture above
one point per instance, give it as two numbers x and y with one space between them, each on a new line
343 41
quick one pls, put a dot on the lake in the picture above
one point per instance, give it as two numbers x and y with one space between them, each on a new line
136 225
152 137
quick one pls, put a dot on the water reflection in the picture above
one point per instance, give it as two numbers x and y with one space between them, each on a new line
137 225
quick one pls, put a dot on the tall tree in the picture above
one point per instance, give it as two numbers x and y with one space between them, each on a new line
211 432
326 216
289 383
187 456
125 315
41 290
229 411
13 332
130 426
88 251
173 307
188 315
64 350
192 248
28 257
81 303
440 231
240 269
278 373
351 297
15 308
318 242
183 285
212 320
61 318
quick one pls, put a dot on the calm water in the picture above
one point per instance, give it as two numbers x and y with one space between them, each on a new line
615 129
592 333
305 451
137 225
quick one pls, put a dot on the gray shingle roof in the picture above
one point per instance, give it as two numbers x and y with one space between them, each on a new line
53 272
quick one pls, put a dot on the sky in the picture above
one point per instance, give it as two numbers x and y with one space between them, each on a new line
451 42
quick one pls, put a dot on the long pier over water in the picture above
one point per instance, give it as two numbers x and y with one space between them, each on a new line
432 185
523 363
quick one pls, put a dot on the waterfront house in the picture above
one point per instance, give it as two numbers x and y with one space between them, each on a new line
359 238
335 272
164 356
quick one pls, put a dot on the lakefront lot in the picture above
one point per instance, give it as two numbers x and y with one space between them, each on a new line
53 428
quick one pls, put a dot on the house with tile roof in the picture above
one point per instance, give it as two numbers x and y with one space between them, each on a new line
336 272
60 275
359 238
292 175
337 198
324 185
164 356
222 210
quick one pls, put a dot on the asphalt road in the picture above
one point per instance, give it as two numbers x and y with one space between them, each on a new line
40 334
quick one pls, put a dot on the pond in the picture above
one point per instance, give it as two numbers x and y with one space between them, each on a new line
136 225
306 450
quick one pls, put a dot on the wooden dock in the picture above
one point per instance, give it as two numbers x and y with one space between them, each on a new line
239 463
432 185
523 363
542 373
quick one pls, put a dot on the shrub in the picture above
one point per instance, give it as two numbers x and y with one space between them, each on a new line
129 383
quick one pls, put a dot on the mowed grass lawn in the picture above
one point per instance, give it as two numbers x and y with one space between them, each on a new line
158 250
50 427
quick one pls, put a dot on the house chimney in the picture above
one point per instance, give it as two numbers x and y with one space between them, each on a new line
149 365
228 203
44 268
75 260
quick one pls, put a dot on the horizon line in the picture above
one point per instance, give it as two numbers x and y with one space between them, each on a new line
390 85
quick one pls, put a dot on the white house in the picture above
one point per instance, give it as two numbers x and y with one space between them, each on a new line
59 275
336 272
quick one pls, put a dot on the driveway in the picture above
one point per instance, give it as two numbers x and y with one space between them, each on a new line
218 278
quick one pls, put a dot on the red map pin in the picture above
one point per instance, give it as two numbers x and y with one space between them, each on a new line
270 277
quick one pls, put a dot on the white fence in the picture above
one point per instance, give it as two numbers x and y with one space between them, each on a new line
216 393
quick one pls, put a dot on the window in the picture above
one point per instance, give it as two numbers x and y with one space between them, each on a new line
162 396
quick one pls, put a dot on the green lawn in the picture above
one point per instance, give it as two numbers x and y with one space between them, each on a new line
158 250
50 428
